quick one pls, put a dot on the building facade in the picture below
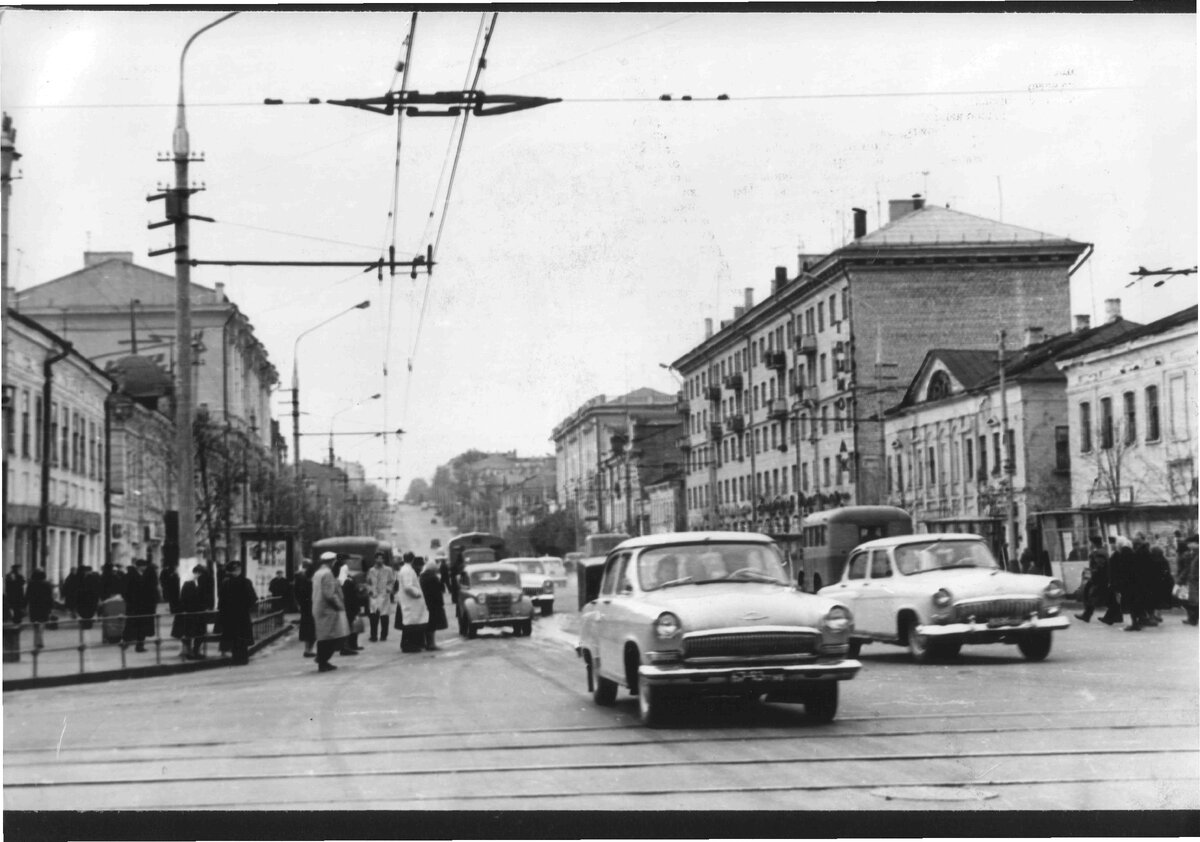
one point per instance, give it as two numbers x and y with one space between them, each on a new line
784 403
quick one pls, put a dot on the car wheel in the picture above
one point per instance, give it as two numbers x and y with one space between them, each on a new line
547 609
527 628
822 702
472 631
1035 646
855 648
650 704
918 644
604 692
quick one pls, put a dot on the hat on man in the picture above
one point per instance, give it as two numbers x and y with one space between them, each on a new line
328 556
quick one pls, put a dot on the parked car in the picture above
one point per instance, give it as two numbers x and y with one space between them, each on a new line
535 583
710 613
490 595
556 570
935 592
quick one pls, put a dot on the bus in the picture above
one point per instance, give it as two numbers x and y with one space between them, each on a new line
829 536
473 548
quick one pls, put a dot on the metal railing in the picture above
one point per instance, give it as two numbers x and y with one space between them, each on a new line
103 635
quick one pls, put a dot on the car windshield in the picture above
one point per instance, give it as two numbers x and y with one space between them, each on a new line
664 567
483 578
530 566
943 555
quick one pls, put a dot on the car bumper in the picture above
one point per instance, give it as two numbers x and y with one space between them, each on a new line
737 678
986 629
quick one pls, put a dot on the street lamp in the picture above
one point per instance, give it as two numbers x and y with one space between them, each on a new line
333 418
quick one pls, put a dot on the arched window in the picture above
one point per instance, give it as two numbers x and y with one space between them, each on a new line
939 386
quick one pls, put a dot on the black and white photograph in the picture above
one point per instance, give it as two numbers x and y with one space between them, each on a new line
709 421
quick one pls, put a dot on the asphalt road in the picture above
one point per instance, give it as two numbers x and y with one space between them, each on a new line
1108 722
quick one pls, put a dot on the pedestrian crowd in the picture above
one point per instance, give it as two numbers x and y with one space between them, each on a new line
333 601
1131 578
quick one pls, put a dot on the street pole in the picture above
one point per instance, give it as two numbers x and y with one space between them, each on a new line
183 324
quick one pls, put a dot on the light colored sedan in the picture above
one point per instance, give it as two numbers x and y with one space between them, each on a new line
710 613
935 592
536 582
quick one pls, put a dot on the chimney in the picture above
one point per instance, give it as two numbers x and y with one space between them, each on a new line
725 323
708 328
749 298
860 223
918 201
781 280
898 208
1112 309
1033 336
738 312
94 258
1083 322
220 292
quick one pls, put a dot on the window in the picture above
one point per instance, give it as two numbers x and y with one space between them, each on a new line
804 476
996 459
1130 401
880 569
38 417
983 466
821 316
939 386
857 569
66 439
932 463
824 420
1062 448
53 434
25 423
1106 424
968 458
1153 432
1085 427
10 434
825 471
1180 411
833 309
822 361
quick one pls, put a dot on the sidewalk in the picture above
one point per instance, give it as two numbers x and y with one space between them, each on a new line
72 656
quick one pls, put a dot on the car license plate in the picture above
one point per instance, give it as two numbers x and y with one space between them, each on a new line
754 675
1005 621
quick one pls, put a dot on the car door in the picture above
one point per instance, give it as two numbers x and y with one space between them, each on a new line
876 608
612 616
853 588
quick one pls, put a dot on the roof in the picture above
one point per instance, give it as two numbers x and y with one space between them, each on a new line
643 395
922 538
664 539
111 283
933 225
1176 319
34 325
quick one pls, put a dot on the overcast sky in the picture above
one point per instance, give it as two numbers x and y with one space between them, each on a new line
586 241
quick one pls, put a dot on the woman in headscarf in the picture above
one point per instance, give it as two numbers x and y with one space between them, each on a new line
431 587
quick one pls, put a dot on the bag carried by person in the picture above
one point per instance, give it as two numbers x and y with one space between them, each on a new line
358 627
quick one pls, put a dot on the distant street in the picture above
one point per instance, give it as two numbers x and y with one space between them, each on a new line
503 723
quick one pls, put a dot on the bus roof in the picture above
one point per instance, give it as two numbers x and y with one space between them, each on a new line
359 544
479 539
856 514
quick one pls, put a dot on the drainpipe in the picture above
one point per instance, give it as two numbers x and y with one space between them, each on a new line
749 433
47 446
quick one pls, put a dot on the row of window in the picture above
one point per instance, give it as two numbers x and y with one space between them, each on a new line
1106 431
773 483
937 465
76 443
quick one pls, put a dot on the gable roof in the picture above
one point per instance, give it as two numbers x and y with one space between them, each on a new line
933 225
1177 319
644 395
111 283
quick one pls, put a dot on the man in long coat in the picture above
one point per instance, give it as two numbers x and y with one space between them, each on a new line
141 602
328 611
414 612
235 602
89 595
381 585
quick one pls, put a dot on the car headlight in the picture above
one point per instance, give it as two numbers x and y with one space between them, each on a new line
837 619
667 626
942 598
1054 590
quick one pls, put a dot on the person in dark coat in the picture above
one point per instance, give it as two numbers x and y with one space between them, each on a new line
1143 582
236 602
303 589
70 591
1187 579
112 581
88 599
141 602
278 589
14 593
1160 584
432 588
189 624
40 600
169 582
354 605
1096 589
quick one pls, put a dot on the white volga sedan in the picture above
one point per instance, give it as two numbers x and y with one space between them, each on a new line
935 592
710 613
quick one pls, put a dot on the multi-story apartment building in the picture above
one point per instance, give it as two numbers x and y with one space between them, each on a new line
54 451
959 450
608 451
784 402
1132 419
522 503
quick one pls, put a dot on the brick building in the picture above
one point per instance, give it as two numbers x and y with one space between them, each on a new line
784 402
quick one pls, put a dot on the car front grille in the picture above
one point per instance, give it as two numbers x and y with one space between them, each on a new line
748 645
498 603
994 609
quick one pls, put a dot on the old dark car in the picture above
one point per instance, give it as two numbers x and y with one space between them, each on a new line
711 613
490 596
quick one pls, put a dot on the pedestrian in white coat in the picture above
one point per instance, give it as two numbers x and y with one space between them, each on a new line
329 612
381 588
414 613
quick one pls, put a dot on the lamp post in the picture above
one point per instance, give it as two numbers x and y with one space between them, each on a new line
333 418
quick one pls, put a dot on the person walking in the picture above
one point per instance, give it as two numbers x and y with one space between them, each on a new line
14 593
141 602
432 589
1160 583
1119 560
236 600
328 611
414 612
168 581
1096 589
189 625
353 601
70 591
1143 581
381 589
40 601
89 595
302 587
1187 578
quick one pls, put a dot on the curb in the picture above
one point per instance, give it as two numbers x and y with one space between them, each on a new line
139 672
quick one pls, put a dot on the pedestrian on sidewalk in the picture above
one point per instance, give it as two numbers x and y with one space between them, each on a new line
112 581
1095 591
381 588
168 580
329 612
40 599
303 588
141 602
415 614
1143 580
89 595
235 603
1187 577
189 624
14 593
278 589
1160 584
433 590
70 591
354 605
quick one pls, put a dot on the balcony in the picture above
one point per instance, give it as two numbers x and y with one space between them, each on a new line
715 431
806 343
733 382
684 443
712 393
777 410
737 424
775 359
682 406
